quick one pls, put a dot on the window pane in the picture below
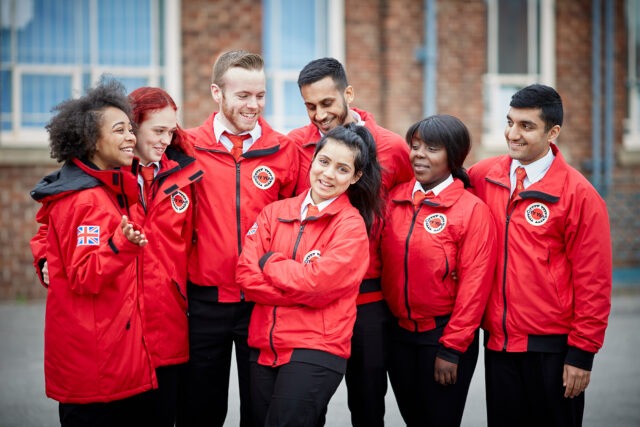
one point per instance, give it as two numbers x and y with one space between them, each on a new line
5 97
124 32
48 34
512 37
295 112
132 83
40 93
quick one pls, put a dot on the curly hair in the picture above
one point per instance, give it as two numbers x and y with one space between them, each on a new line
75 129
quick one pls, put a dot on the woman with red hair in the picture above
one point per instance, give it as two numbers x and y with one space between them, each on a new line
168 170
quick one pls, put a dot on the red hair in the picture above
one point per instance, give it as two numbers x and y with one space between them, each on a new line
146 100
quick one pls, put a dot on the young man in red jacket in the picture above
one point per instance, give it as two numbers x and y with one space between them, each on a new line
247 165
327 96
549 305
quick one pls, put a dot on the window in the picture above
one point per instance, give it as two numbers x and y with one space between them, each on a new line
521 41
294 33
631 140
53 50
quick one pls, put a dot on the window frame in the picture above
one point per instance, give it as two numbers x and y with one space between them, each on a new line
630 150
20 138
542 28
277 78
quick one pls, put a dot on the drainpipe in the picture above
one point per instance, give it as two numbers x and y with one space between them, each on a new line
596 130
609 22
428 55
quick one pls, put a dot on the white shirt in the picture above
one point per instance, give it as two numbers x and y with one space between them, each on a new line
309 201
535 170
219 128
436 190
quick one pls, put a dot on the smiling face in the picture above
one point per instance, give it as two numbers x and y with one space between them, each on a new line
429 162
332 171
241 98
526 137
115 145
155 134
327 107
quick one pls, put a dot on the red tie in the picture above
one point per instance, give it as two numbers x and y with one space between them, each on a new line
147 173
312 210
237 141
520 174
419 196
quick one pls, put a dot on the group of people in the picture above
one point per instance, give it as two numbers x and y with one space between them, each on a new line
340 250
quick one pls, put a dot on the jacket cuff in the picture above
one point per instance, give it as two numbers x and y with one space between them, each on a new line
263 259
579 358
449 354
41 263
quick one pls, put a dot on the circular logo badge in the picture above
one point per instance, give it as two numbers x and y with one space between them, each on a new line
179 201
311 256
536 214
263 177
435 223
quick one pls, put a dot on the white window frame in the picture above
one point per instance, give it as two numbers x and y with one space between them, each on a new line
495 108
631 138
279 77
21 138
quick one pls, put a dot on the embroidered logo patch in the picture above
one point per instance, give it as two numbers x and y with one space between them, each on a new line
311 256
536 214
263 177
435 223
253 229
88 235
179 201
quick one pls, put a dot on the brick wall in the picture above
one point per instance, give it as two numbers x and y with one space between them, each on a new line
17 226
382 38
208 29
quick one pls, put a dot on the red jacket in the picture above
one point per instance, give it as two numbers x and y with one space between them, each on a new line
393 155
95 348
168 225
452 232
304 278
230 196
554 261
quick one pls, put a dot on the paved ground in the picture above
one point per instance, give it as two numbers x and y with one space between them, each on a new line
613 398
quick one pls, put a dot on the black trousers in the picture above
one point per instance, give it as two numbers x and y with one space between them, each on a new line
130 412
213 330
421 400
294 394
525 389
366 376
165 398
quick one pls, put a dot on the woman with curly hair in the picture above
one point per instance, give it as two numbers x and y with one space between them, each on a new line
167 200
97 359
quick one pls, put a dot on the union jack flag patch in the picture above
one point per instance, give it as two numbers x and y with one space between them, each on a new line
88 235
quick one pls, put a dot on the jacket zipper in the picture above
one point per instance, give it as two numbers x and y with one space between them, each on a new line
406 267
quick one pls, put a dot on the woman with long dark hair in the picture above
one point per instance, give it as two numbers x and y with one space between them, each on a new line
302 264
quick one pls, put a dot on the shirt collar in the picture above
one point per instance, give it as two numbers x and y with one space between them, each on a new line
308 200
437 189
535 170
219 128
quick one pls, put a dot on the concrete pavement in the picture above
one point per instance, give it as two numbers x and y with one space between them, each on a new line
613 398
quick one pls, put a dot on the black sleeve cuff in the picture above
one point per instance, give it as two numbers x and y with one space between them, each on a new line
263 259
579 358
449 354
